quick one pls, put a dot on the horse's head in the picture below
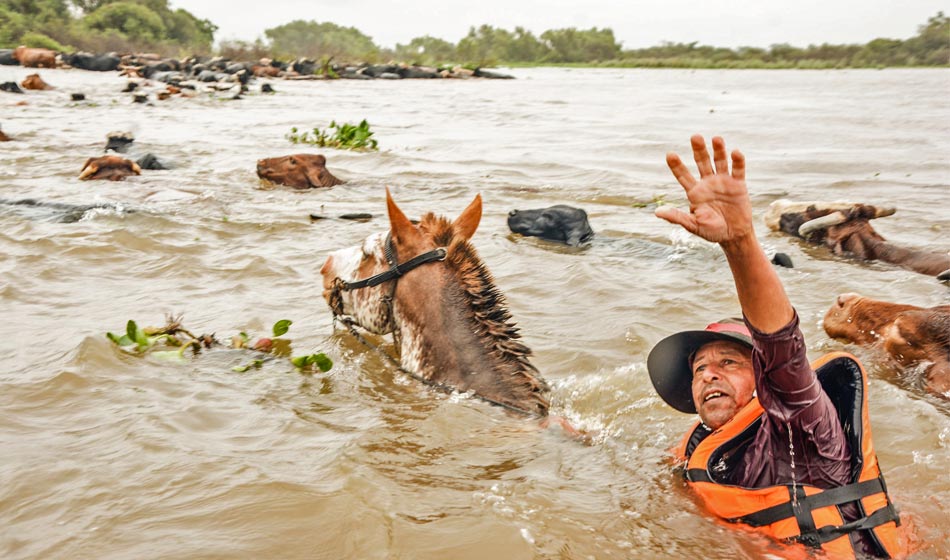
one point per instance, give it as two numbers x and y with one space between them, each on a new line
427 284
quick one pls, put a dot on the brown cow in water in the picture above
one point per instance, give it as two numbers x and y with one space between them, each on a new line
34 81
108 168
843 227
35 58
301 171
913 336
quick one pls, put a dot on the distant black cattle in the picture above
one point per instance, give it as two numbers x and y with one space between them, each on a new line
7 59
11 87
55 211
558 223
121 142
94 62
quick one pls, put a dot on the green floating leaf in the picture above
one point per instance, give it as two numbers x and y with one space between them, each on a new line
281 327
320 360
130 329
256 364
137 335
123 340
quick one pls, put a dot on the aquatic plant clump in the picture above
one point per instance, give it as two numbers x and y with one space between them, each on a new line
172 341
345 136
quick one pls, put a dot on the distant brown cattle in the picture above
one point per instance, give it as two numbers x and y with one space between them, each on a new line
301 171
33 81
265 71
913 336
108 168
843 227
35 58
4 137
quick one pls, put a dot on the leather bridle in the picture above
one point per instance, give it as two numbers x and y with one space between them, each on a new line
396 270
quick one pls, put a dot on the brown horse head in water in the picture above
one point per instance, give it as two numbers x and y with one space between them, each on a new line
450 322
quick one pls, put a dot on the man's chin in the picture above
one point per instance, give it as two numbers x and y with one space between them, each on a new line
716 417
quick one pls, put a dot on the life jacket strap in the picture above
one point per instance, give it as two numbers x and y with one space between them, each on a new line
879 517
810 535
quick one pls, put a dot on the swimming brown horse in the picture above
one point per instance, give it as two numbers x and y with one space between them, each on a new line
427 286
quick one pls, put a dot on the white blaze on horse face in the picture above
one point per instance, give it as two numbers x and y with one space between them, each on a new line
365 305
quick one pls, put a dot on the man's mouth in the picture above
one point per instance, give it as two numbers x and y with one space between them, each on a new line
713 395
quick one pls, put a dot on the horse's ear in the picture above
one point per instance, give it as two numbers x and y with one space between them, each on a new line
402 229
467 222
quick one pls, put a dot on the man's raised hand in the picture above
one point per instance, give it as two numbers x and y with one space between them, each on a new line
719 207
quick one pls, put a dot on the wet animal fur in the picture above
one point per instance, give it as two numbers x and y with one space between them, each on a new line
487 304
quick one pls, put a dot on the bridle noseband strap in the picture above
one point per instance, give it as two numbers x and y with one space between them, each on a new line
396 270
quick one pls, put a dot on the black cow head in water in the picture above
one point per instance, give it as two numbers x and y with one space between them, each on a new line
560 223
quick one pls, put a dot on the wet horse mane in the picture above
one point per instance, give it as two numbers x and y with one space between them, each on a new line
487 305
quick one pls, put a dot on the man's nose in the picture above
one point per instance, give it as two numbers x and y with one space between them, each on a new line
711 373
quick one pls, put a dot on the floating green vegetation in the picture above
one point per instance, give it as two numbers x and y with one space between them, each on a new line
172 342
344 136
657 200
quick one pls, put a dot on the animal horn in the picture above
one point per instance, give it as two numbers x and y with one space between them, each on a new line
884 212
822 222
88 171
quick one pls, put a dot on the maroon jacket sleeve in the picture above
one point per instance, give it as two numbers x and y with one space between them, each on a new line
784 381
791 395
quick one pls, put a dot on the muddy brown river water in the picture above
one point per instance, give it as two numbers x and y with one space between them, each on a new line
106 455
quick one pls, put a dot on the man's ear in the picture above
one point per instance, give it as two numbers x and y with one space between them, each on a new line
403 231
467 222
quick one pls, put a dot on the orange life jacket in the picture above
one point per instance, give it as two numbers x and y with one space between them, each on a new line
813 518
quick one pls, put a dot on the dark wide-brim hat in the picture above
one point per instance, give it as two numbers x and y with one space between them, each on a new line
670 361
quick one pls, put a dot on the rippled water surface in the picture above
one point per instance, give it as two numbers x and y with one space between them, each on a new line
107 455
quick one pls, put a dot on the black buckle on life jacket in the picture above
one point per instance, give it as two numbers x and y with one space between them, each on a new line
801 506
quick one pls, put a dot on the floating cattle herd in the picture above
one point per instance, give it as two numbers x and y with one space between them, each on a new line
913 337
220 69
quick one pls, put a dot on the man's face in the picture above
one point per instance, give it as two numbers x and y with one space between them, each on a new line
723 381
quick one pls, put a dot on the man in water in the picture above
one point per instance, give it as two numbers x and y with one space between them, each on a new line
771 450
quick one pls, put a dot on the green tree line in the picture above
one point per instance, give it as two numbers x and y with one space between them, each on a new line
104 25
129 25
489 46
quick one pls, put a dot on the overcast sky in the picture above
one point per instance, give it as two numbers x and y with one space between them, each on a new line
636 23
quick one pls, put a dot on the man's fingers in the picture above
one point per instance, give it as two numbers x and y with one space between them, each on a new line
701 155
680 171
719 155
738 165
675 216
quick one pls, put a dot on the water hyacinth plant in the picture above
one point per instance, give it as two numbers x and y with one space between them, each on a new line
171 342
345 136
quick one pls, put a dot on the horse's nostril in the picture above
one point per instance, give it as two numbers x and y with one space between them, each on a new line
327 266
